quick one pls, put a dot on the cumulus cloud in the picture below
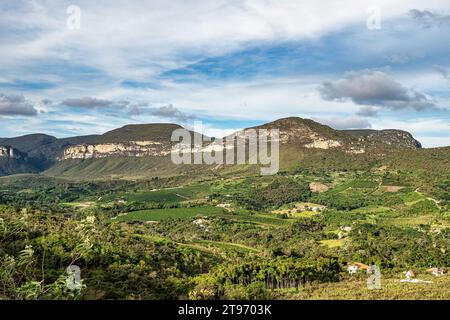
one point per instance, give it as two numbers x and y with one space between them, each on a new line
134 111
87 102
171 112
428 19
16 105
443 72
132 108
375 88
398 58
46 102
341 123
158 31
367 111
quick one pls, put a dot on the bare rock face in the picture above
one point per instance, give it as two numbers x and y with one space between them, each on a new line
392 137
6 151
11 153
305 133
129 141
14 161
396 137
320 143
102 150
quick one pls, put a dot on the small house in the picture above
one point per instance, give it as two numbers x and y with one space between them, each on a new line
354 267
437 272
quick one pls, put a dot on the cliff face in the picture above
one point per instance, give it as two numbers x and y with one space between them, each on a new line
14 161
11 153
102 150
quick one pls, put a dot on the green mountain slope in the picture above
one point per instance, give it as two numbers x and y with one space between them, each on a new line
135 132
135 151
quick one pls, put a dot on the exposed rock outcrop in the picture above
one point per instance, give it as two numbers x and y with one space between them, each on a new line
102 150
393 137
11 153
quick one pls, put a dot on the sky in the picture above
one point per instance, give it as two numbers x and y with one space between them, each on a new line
84 67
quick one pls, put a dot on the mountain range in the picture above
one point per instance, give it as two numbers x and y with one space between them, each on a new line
144 149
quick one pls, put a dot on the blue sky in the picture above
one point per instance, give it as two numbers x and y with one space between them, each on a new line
231 64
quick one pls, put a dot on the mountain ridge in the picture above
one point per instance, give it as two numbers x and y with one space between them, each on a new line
44 152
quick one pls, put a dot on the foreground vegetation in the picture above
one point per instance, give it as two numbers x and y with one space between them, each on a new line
289 236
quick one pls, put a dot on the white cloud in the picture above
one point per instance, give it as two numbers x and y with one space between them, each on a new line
210 131
418 125
11 105
342 122
432 142
367 111
375 88
118 36
87 102
256 99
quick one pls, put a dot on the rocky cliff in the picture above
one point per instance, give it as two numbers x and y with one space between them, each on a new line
14 161
11 153
130 149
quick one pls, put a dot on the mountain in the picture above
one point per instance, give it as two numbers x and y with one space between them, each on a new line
143 150
306 133
131 140
28 143
311 134
41 150
132 151
310 145
160 132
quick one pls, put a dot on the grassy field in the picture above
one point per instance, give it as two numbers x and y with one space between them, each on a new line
304 214
409 221
269 220
412 198
226 246
333 243
167 195
372 209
